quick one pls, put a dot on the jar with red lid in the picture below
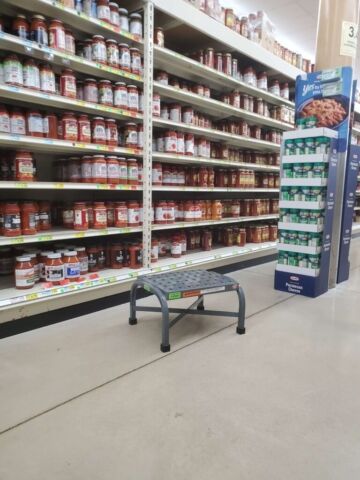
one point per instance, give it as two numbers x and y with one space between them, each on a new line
84 129
11 219
130 135
34 123
133 208
38 30
70 42
112 53
124 57
112 138
20 27
103 10
69 127
47 79
86 169
170 141
91 92
106 93
24 166
13 70
98 50
68 83
99 169
120 95
81 219
110 214
157 178
135 61
100 216
57 35
275 87
17 122
112 170
24 273
44 216
31 74
176 246
120 215
133 98
98 133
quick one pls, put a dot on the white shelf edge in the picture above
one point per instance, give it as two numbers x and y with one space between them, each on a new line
301 205
309 272
170 188
310 132
301 227
304 182
223 221
312 158
299 249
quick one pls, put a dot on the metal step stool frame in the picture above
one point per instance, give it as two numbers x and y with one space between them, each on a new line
173 286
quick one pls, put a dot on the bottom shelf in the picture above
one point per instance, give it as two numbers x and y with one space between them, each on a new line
309 272
18 303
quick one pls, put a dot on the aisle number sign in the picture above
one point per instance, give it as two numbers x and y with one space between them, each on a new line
349 37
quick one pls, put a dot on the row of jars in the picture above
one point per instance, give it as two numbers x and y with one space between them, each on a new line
29 74
98 130
223 152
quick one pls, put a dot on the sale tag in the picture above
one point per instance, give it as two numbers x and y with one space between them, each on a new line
349 36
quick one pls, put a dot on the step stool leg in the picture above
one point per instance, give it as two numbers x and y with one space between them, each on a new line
240 329
165 345
201 303
132 318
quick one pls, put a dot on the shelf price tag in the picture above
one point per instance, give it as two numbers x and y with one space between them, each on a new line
32 296
22 185
59 186
79 235
17 240
44 238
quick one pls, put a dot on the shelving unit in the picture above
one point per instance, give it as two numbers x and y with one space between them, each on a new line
14 303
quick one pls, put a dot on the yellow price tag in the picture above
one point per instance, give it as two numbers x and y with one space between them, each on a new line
44 238
105 231
59 186
17 240
32 296
79 235
102 186
22 185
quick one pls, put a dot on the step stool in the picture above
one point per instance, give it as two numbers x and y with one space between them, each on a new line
191 283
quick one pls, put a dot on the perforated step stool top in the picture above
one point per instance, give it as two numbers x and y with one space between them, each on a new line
191 283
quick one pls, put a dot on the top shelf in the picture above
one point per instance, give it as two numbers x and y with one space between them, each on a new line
79 21
201 22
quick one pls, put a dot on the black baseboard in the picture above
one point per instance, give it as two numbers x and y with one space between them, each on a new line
55 316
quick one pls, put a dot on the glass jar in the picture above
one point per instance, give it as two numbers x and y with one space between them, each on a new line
120 95
124 57
124 19
34 123
98 130
159 38
57 35
38 30
112 138
69 127
84 129
13 70
98 50
47 79
112 52
20 27
91 93
68 83
99 169
135 24
135 61
106 93
31 74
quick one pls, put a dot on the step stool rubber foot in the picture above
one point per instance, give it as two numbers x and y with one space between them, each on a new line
240 331
132 321
201 307
165 348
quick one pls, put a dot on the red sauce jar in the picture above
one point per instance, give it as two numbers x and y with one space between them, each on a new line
114 14
136 259
69 42
70 127
103 10
68 83
132 172
31 74
116 256
176 249
130 135
84 129
100 215
4 120
54 268
91 93
81 219
71 265
133 98
124 57
50 125
93 259
170 141
112 137
34 121
159 38
99 169
83 260
112 170
47 79
28 223
133 213
86 169
98 130
157 174
98 50
44 216
20 27
24 273
120 95
24 166
106 93
123 171
121 215
38 30
135 61
17 122
57 35
11 220
112 52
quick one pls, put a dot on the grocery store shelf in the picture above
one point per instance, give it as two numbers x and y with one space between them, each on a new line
79 21
214 162
309 272
301 205
218 135
301 227
355 131
313 158
66 186
357 108
223 221
304 182
216 108
176 64
356 209
217 31
299 249
357 193
356 228
27 95
48 145
62 59
170 188
18 303
311 132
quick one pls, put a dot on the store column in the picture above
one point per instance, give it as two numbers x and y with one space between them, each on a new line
337 33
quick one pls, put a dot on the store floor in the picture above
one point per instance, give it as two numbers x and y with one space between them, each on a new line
93 398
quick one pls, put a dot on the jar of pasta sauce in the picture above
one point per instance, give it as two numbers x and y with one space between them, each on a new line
70 42
284 91
170 141
100 216
24 273
114 14
124 57
84 129
106 93
54 268
133 98
157 174
83 259
86 169
4 120
189 144
99 169
161 212
69 127
24 166
81 219
130 135
34 122
103 10
38 30
112 53
262 81
98 51
47 79
124 19
93 259
132 172
71 265
31 74
91 92
20 27
12 220
175 112
44 216
120 95
57 35
74 169
159 38
122 170
17 122
133 213
68 83
13 70
98 133
135 61
275 87
135 24
121 215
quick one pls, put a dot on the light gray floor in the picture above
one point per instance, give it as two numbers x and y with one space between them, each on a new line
94 399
